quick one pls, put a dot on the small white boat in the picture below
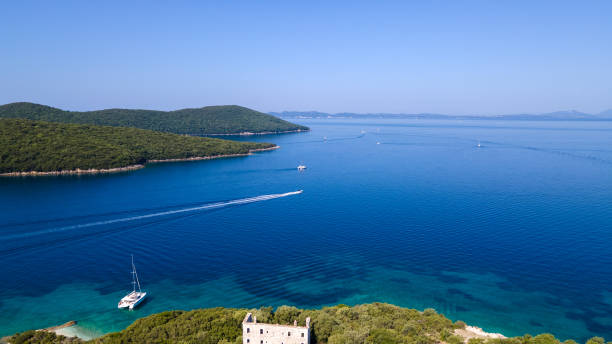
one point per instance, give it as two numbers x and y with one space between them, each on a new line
301 167
478 145
377 143
132 299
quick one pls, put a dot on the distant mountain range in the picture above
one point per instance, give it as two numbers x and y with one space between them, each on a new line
551 116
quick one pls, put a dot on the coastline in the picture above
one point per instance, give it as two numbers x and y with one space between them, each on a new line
70 329
79 171
248 133
73 172
59 327
196 158
476 332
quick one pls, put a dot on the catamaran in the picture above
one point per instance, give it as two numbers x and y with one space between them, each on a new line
132 299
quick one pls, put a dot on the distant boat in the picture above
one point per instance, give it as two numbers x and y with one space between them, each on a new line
478 145
301 167
377 143
132 299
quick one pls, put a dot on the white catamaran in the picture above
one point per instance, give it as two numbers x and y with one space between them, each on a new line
132 299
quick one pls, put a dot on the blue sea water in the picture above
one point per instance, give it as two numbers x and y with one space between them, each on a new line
514 236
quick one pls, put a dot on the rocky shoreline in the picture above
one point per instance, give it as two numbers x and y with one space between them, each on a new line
127 168
468 332
196 158
59 327
248 133
73 172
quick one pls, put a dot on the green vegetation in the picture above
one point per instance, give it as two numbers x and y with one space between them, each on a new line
207 326
27 145
230 119
375 323
41 337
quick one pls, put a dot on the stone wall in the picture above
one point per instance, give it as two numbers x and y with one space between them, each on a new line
260 333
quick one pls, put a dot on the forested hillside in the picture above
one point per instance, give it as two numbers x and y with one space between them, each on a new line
375 323
27 145
228 119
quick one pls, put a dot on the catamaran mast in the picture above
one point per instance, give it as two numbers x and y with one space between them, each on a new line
135 276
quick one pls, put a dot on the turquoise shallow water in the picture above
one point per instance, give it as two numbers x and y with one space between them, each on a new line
514 236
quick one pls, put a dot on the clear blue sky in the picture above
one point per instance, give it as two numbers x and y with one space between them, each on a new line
459 57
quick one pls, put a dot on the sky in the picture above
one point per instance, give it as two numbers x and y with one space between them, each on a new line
453 57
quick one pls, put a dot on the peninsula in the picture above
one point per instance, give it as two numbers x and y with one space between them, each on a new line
209 120
30 147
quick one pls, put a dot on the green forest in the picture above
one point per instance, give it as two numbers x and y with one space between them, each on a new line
27 145
376 323
228 119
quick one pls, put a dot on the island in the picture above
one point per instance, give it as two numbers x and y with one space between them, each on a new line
377 323
209 120
29 147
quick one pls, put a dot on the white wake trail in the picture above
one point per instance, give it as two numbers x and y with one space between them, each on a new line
147 216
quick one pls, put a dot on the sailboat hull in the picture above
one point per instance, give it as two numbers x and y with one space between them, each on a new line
131 300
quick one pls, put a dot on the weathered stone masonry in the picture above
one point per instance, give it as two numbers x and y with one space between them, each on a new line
258 333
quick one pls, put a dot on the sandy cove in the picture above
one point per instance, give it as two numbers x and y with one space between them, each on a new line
476 332
59 327
129 168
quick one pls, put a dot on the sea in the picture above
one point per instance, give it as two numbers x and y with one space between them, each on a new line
506 225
